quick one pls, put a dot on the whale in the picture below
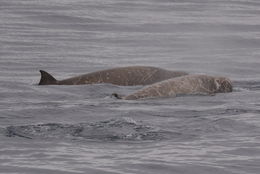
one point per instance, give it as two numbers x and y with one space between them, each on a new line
122 76
184 85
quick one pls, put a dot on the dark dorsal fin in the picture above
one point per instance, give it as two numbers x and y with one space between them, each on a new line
47 79
117 96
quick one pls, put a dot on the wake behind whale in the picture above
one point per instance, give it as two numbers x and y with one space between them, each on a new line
125 129
128 130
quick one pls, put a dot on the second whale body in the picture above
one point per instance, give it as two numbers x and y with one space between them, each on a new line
185 85
124 76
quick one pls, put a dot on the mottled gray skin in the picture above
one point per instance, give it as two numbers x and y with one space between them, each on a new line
124 76
185 85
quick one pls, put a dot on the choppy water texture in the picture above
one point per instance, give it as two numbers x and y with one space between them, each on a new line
81 129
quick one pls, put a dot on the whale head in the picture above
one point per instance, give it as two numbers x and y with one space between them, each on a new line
223 84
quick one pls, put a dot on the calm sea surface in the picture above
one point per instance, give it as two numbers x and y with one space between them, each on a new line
82 130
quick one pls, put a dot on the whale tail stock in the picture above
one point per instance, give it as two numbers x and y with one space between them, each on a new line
47 79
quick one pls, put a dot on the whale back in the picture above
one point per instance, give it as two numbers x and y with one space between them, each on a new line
184 85
124 76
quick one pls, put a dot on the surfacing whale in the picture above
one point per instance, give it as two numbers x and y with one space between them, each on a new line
124 76
185 85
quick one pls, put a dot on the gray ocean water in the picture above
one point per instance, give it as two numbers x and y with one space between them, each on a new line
81 129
